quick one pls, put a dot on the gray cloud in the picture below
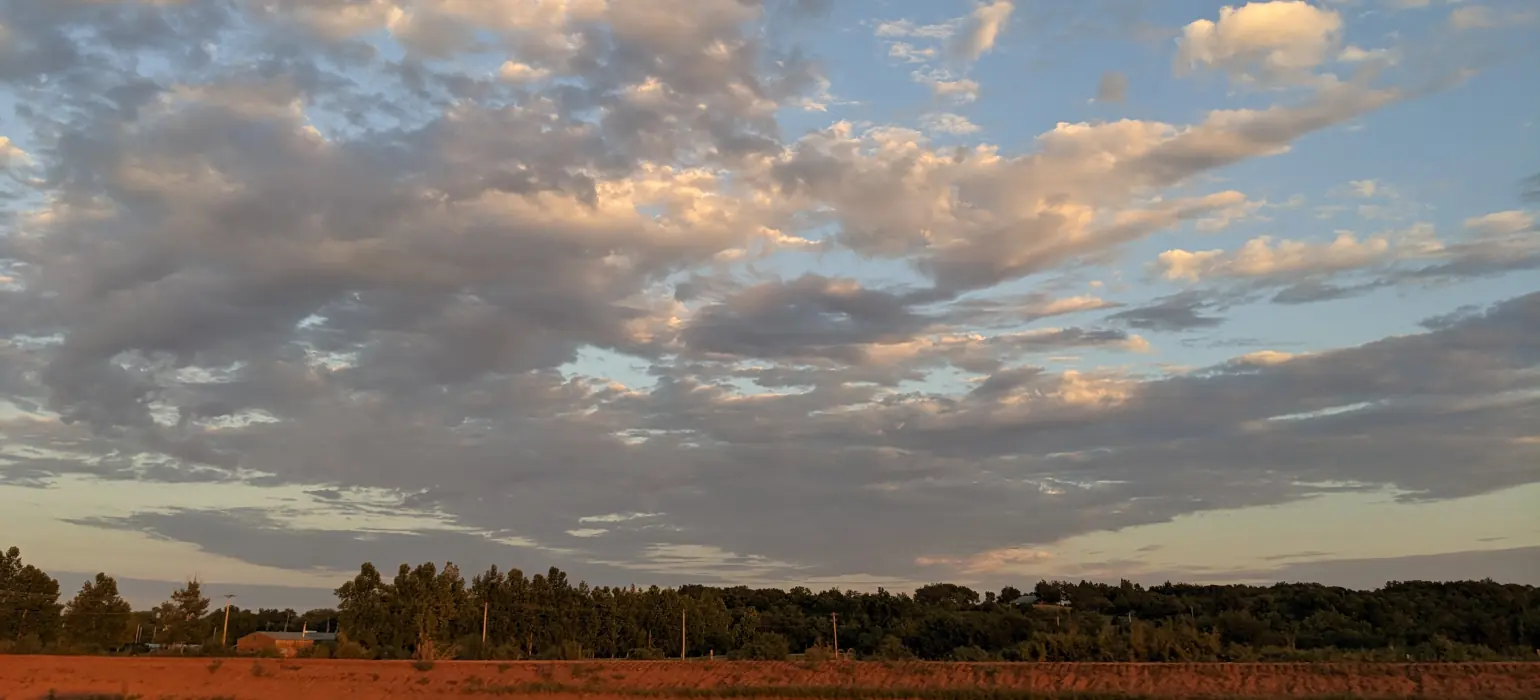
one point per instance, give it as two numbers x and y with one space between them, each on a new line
1178 312
288 260
809 316
1113 87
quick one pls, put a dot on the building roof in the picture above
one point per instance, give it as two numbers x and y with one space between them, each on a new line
297 636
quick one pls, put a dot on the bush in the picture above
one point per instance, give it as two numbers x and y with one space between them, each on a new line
505 652
970 653
28 644
765 646
645 654
319 651
470 648
423 665
352 650
892 648
565 651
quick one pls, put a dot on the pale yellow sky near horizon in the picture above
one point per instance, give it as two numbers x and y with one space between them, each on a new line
1346 525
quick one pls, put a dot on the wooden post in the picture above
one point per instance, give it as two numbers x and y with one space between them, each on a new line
835 619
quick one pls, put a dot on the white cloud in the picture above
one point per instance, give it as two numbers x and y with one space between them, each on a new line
948 123
945 86
980 29
518 72
1265 257
11 154
1263 42
1365 188
1472 17
1354 54
908 53
907 28
1501 223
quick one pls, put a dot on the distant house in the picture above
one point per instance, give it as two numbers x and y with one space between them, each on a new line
287 644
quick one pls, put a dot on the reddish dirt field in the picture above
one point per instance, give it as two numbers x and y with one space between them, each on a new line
29 677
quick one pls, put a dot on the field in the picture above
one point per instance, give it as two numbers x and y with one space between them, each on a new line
29 677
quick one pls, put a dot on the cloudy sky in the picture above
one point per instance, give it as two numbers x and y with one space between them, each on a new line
796 292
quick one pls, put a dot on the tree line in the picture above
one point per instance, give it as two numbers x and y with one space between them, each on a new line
427 612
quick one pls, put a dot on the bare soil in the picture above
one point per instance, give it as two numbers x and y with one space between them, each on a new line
156 678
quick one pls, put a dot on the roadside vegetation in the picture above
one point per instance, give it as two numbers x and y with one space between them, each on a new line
427 613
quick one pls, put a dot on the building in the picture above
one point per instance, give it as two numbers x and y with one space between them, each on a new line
287 644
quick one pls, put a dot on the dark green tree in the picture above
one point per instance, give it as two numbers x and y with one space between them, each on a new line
181 619
29 605
97 617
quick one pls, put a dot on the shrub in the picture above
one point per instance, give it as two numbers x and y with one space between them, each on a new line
352 650
815 656
645 654
321 651
970 653
28 644
892 648
765 646
505 652
423 665
565 651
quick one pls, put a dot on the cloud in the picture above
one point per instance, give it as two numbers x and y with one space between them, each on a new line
1262 257
948 123
516 72
1514 564
1262 42
1365 188
809 316
963 40
976 218
1310 271
545 286
978 31
1472 17
1179 312
11 155
1501 223
948 87
1113 87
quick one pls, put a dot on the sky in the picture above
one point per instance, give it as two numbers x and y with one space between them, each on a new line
828 293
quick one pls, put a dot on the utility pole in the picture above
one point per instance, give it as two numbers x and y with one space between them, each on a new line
485 606
682 629
226 631
834 618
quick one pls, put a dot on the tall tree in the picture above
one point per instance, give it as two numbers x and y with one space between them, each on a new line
97 617
427 601
180 619
362 608
29 604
